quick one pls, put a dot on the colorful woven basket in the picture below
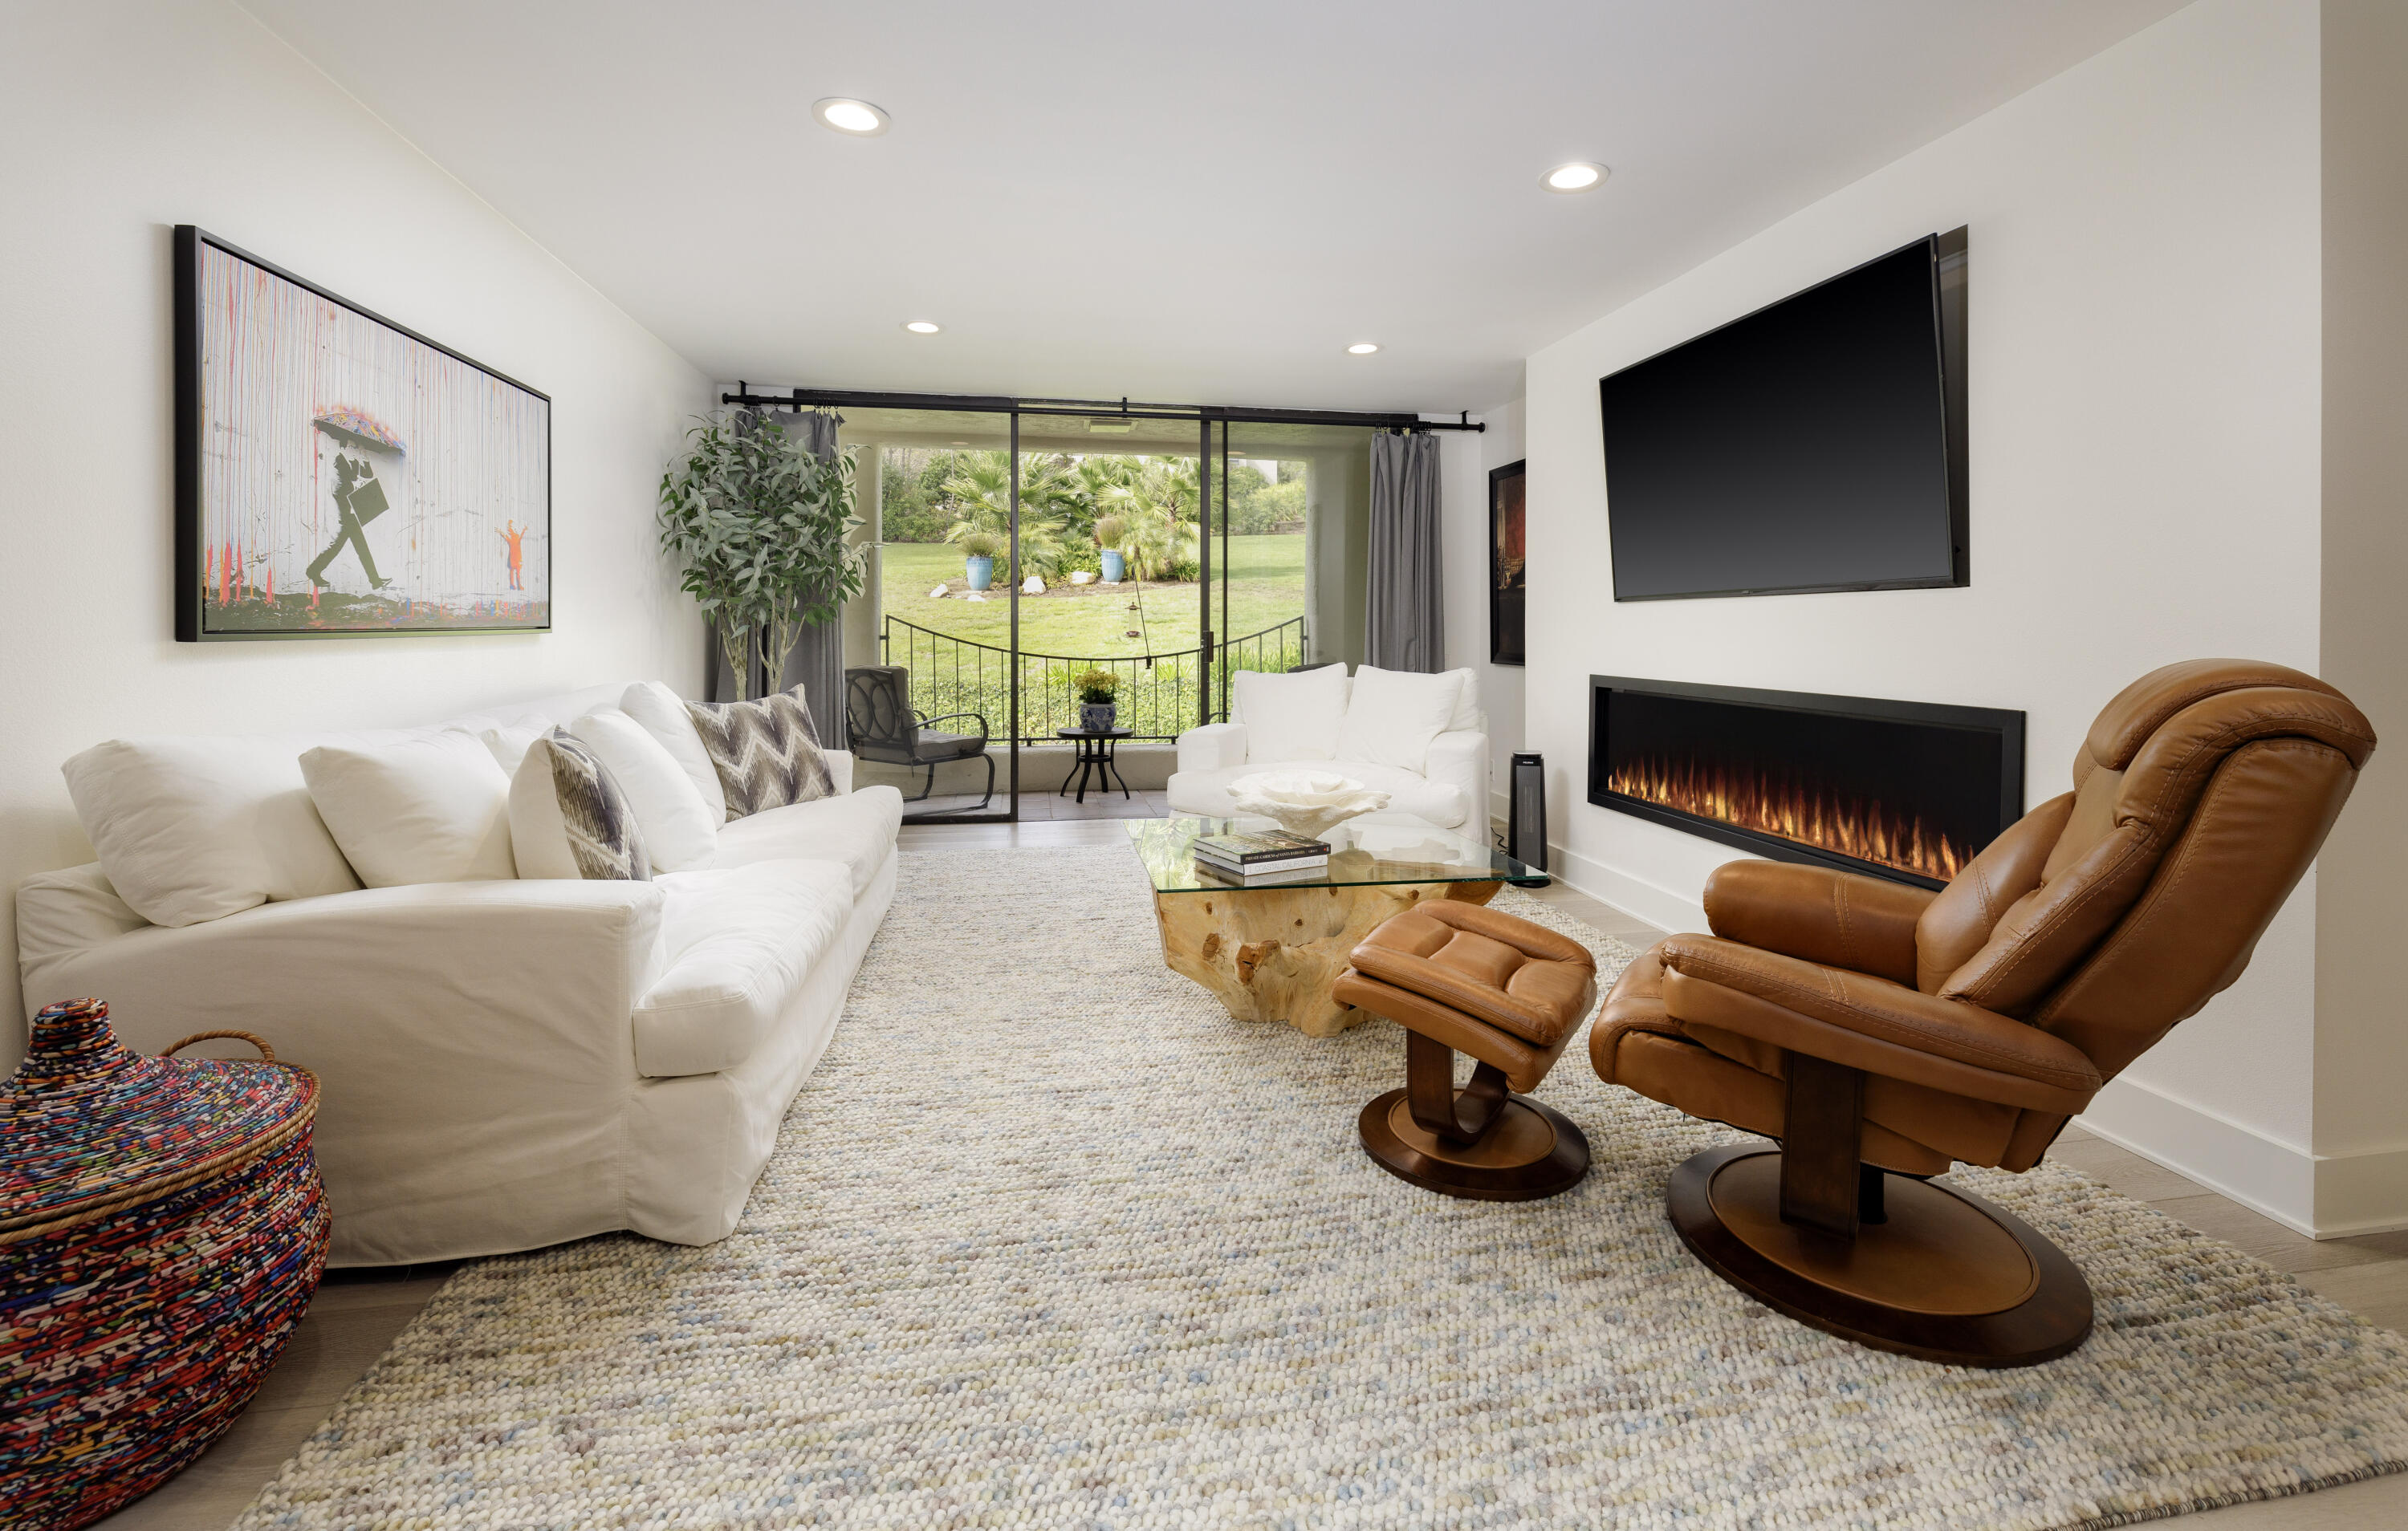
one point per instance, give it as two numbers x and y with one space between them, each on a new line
162 1230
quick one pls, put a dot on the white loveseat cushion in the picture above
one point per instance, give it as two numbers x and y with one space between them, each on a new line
738 944
1290 717
1437 802
681 831
857 829
1393 715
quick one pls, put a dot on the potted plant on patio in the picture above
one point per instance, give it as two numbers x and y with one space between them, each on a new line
1096 690
759 522
978 557
1110 529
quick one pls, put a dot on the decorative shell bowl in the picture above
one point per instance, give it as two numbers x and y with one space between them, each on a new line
1305 802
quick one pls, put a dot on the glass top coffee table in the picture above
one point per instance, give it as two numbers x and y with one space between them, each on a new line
1271 951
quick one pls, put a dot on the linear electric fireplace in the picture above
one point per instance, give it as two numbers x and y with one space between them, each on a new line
1909 791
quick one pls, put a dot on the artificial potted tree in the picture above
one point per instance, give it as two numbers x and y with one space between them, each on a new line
978 557
1097 689
759 522
1110 529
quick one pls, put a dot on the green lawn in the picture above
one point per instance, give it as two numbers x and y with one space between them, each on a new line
1266 588
1122 623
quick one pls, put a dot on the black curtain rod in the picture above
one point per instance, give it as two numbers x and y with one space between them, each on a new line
803 399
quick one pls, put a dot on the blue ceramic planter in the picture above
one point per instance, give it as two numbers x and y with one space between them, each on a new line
982 572
1115 567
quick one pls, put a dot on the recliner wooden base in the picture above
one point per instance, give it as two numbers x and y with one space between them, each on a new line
1943 1275
1529 1152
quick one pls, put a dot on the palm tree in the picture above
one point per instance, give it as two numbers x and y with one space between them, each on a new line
1159 504
979 493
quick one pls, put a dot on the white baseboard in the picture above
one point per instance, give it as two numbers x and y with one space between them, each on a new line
1660 906
2321 1196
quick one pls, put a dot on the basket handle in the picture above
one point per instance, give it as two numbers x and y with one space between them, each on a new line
266 1053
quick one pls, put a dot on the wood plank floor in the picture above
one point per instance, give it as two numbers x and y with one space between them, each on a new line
357 1314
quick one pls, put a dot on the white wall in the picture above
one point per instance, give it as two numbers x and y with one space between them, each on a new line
2145 353
1466 458
119 120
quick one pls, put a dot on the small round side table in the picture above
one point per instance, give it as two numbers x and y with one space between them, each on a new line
1095 748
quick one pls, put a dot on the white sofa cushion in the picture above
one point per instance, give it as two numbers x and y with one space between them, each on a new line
738 944
1409 791
1468 717
1394 715
1289 717
679 832
661 712
568 819
199 828
430 807
507 744
857 829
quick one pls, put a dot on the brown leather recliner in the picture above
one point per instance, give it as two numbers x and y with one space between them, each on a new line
1874 1027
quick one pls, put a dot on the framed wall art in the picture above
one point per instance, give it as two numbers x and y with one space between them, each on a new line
1507 522
338 475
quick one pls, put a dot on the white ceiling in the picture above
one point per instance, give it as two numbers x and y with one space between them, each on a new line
1190 203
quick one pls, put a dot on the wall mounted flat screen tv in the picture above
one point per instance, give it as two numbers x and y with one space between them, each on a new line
1815 445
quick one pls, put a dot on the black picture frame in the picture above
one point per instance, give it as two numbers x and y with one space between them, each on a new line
258 434
1509 521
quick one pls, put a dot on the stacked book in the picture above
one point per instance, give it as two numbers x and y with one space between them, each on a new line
1254 859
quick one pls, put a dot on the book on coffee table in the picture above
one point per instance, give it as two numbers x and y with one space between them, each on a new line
1269 849
1230 877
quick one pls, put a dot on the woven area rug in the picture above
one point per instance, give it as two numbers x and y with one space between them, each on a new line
1051 1241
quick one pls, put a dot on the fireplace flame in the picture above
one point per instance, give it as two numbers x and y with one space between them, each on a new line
1774 806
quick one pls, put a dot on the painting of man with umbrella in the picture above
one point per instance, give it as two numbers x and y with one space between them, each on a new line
340 476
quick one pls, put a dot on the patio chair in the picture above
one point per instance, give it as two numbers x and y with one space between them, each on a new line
879 716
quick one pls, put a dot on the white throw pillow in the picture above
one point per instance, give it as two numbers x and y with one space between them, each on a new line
430 809
1289 717
679 832
1467 704
509 744
661 712
197 828
1394 715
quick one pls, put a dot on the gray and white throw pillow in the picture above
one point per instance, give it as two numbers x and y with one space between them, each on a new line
568 819
765 752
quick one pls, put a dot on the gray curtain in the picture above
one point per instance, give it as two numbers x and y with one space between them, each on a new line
816 663
1404 614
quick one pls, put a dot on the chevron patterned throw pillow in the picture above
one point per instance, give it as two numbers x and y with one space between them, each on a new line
568 818
766 752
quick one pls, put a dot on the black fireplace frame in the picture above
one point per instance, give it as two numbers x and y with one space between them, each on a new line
2009 726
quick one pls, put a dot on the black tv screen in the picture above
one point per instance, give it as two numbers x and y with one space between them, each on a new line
1814 445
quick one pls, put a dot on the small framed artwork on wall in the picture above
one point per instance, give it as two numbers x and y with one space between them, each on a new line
338 475
1506 526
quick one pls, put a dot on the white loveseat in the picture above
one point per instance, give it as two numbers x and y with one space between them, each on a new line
505 1064
1427 747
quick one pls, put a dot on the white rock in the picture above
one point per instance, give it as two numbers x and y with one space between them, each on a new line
1032 585
1081 576
937 594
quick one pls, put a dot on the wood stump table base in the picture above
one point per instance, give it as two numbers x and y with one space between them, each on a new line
1271 953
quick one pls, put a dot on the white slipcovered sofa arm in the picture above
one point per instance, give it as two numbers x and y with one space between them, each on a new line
839 766
1212 748
1459 759
493 1018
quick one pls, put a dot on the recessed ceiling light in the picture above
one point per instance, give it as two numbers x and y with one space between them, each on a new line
1579 176
921 327
846 115
1361 347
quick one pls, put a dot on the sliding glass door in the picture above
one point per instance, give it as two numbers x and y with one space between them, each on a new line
1027 558
929 645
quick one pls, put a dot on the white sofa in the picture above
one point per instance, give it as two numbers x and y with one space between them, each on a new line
1304 727
507 1064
